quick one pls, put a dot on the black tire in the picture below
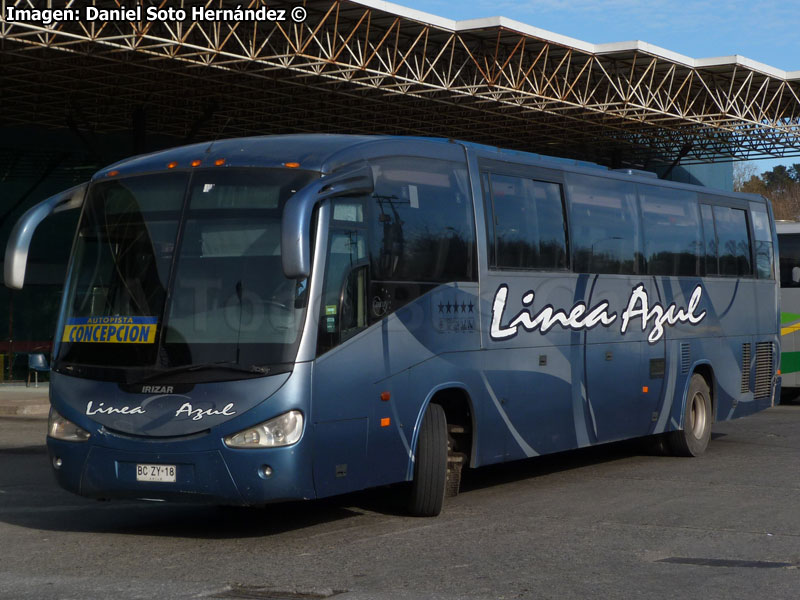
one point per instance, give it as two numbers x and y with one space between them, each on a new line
656 445
430 465
693 439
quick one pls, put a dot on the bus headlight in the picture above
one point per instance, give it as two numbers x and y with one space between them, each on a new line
62 429
284 430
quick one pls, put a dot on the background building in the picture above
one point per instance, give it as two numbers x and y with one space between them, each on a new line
78 95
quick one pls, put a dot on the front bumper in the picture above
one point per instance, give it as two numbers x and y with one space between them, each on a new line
218 476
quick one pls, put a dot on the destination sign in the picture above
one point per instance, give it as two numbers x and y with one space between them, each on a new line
111 330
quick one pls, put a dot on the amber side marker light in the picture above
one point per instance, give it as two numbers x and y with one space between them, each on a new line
779 371
645 389
196 163
112 173
172 165
291 165
386 396
219 162
385 422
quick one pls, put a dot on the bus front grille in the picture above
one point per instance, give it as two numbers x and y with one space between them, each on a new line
764 352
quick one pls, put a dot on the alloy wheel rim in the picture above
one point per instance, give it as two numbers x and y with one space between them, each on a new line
698 415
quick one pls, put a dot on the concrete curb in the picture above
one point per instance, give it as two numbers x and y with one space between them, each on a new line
27 410
25 402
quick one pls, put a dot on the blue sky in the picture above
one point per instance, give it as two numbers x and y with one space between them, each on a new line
767 31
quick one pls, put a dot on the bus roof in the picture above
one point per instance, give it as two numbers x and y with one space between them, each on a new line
315 152
787 227
327 152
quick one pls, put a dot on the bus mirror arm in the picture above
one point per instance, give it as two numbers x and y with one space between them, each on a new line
296 224
19 241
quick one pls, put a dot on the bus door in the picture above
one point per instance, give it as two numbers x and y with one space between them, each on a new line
624 372
533 372
607 245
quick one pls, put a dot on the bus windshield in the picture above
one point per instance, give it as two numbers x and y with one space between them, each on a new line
173 270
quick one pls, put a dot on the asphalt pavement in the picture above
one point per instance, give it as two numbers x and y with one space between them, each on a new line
605 522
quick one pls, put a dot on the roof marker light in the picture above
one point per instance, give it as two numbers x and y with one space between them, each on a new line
112 173
172 165
219 162
291 165
196 163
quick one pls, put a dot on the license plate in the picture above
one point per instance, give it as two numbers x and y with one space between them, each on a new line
165 473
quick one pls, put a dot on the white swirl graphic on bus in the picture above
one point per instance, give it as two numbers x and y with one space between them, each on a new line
580 317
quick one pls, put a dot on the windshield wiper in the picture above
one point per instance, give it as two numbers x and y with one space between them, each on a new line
220 366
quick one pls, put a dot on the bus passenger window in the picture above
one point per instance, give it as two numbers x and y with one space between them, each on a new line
527 229
422 230
763 241
671 231
710 238
604 225
733 241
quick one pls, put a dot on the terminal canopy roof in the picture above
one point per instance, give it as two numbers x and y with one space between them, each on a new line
374 67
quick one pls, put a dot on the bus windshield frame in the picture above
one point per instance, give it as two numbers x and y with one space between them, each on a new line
178 274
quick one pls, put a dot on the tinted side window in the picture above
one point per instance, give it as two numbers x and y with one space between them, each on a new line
671 231
422 227
526 228
604 225
421 230
733 241
763 241
789 251
710 238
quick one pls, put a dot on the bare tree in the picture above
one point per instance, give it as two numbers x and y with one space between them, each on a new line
743 172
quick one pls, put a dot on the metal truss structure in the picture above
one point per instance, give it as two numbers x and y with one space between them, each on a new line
369 67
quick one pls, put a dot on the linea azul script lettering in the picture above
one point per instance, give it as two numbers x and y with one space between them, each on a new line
186 409
198 413
581 317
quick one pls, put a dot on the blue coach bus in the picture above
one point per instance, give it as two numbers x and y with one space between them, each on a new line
290 317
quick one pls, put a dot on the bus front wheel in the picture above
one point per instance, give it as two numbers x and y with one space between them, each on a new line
693 439
430 465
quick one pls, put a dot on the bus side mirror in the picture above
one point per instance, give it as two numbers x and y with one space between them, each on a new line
296 223
19 242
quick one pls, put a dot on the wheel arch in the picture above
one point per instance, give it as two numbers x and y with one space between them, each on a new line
456 400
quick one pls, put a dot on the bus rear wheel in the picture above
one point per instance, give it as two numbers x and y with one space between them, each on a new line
693 439
430 465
